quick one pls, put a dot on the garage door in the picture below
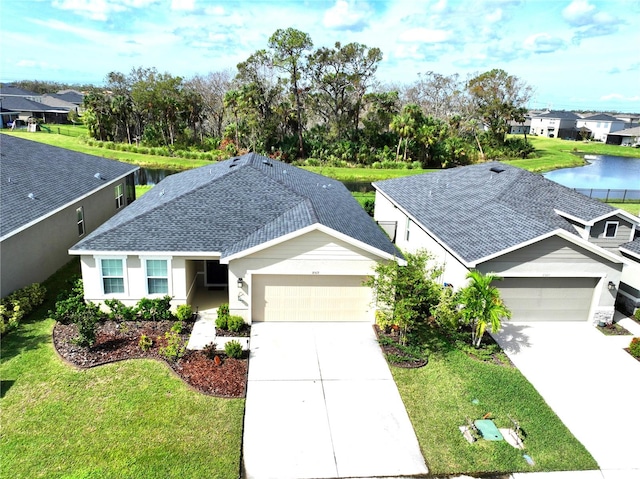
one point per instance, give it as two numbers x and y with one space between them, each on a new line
548 299
310 298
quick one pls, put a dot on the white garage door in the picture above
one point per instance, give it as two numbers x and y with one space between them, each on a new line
548 299
310 298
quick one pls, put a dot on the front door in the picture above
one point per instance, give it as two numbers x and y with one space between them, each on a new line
216 274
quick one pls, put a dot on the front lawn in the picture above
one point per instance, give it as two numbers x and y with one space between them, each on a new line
128 419
440 396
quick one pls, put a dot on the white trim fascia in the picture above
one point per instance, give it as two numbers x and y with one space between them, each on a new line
577 240
307 229
606 226
618 212
444 245
200 254
538 274
629 252
65 206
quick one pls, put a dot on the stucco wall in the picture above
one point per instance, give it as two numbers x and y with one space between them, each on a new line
37 252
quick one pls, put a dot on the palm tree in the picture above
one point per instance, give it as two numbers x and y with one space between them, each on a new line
482 305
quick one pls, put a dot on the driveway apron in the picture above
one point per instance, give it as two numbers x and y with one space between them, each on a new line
321 403
590 382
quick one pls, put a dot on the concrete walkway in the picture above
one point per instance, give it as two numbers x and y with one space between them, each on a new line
321 403
590 382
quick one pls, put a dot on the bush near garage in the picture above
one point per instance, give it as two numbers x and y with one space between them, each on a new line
18 304
634 347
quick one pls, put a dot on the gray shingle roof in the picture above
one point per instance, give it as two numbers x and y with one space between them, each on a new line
478 212
6 89
635 131
18 104
601 117
558 114
54 175
633 246
231 206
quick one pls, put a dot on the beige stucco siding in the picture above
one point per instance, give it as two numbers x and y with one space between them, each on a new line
312 254
35 253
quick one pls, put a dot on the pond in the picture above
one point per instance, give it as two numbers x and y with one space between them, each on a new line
601 172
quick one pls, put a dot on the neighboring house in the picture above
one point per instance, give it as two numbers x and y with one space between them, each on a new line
626 137
600 125
516 128
51 197
16 103
279 242
629 293
556 249
555 124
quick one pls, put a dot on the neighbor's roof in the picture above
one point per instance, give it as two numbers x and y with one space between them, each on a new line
6 89
72 96
56 101
633 247
478 212
564 115
19 104
601 117
55 177
232 206
635 131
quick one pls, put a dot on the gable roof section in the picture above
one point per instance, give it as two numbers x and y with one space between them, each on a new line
478 213
233 206
601 117
635 131
632 248
55 176
6 89
19 104
563 115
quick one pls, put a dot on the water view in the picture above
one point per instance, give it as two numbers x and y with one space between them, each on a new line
601 172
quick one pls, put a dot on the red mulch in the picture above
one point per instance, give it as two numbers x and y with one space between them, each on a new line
119 341
408 363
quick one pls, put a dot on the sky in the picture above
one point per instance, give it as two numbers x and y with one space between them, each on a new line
576 54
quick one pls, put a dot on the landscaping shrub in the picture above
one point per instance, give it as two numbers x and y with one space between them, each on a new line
155 309
223 316
86 320
71 305
634 347
120 312
175 348
18 304
233 349
637 314
210 350
184 312
235 323
145 342
177 327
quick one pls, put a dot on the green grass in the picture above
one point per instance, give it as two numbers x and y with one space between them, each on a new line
633 208
142 189
128 419
363 174
439 397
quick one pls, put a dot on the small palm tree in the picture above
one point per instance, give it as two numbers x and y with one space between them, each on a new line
482 305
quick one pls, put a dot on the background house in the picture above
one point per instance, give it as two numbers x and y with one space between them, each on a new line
16 103
555 124
51 197
557 250
276 242
600 125
626 137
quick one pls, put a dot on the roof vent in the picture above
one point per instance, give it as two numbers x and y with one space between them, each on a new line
267 162
232 165
162 192
32 196
98 176
497 169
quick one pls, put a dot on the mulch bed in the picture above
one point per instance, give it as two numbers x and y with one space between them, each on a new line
613 329
119 341
394 351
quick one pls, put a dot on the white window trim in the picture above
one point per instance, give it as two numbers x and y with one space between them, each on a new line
407 230
81 221
124 276
144 260
119 197
606 227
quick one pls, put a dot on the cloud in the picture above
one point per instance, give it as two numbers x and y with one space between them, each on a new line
99 9
495 16
424 35
543 43
589 21
579 13
618 96
346 15
35 64
186 5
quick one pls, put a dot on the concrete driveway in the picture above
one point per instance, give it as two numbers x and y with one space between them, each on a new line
321 403
591 383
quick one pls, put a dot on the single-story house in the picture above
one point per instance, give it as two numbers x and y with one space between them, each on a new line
51 197
626 137
556 249
280 242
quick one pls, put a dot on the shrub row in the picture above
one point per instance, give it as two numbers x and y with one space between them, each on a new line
213 155
227 321
634 347
18 304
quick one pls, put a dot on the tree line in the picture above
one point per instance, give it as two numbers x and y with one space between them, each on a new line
292 101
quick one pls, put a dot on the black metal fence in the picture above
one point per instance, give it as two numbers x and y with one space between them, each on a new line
620 196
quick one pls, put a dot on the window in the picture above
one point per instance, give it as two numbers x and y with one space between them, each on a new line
119 196
80 220
112 275
157 276
406 236
610 229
